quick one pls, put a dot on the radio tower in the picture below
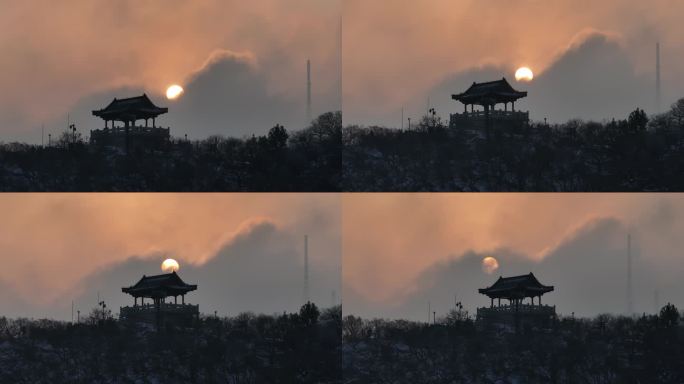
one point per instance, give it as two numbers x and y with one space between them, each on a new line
308 91
658 77
630 309
306 269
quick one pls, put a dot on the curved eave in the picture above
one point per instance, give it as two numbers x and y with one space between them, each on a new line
128 115
488 98
514 293
159 292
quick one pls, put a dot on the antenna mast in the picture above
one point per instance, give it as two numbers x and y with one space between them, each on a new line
658 77
630 309
306 269
308 91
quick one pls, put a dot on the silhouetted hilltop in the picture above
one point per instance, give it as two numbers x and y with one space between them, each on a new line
301 347
605 349
635 154
304 160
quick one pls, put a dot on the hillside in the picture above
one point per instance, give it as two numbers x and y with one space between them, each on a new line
605 349
301 347
304 160
639 153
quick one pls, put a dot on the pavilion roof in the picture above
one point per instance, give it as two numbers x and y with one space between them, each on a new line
516 287
169 284
129 109
498 91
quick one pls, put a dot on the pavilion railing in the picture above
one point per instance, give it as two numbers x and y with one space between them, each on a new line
131 130
521 309
493 114
164 307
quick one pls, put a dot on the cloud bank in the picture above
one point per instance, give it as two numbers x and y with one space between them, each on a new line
64 247
423 46
98 47
578 243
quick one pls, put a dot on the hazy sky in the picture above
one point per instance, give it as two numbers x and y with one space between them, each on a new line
403 250
593 60
245 251
251 56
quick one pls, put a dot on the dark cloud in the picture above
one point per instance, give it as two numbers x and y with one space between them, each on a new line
228 96
259 270
594 79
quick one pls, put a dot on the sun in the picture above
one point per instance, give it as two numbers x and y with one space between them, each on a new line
524 74
489 265
170 265
174 91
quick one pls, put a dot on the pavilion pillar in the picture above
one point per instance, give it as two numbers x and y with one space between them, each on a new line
146 122
492 304
154 122
506 106
499 301
513 106
183 299
465 108
175 299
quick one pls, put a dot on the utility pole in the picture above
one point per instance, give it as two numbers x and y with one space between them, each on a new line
306 269
658 90
308 91
630 309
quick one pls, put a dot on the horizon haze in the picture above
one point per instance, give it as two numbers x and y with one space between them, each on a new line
592 61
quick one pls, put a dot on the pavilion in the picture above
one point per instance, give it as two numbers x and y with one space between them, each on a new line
128 111
515 290
158 288
488 95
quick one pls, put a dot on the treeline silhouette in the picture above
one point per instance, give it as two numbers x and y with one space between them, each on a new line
455 349
639 153
301 347
304 160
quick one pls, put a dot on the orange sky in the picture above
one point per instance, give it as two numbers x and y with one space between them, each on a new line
395 51
390 239
55 54
51 241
